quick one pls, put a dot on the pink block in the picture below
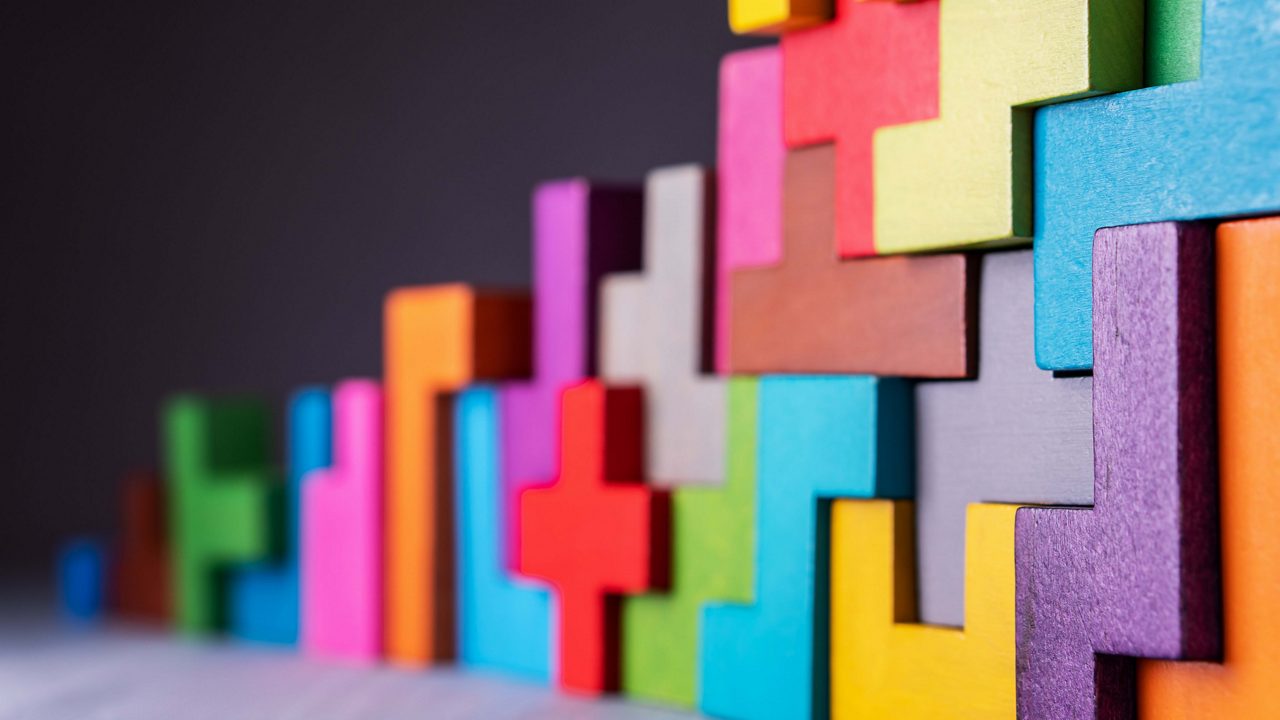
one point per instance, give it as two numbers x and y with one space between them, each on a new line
752 151
342 533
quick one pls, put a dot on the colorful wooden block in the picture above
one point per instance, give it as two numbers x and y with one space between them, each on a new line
1243 685
875 65
1201 149
598 532
820 438
655 330
769 17
342 526
1136 575
503 623
964 178
141 587
883 665
225 500
1015 434
437 339
908 316
263 600
1172 45
712 561
82 579
750 155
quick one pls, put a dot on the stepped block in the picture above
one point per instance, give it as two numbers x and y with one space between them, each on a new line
875 65
1137 574
820 438
769 17
437 340
813 313
82 570
1243 684
655 329
341 543
597 532
141 587
1201 149
264 596
883 665
225 500
712 561
1015 434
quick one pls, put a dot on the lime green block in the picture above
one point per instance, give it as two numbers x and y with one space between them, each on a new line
1173 40
714 548
225 500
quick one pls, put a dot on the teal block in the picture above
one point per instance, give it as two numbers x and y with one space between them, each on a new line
820 438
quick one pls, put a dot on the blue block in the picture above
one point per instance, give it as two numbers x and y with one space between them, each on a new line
819 438
263 597
503 624
82 579
1207 148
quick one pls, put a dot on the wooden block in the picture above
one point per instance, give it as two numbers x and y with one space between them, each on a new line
1137 574
597 532
1172 45
1015 434
503 623
1243 685
712 561
341 552
750 155
225 500
1201 149
770 17
437 339
907 316
141 587
963 179
875 65
655 329
82 570
883 665
819 438
264 596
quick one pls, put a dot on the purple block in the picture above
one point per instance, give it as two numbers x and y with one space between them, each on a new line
581 231
1137 575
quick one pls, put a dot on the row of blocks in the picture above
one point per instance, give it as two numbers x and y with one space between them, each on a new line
764 424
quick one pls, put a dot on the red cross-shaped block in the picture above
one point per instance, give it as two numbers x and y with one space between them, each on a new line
598 532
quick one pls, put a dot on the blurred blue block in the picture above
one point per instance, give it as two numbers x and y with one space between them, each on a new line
503 624
82 579
263 601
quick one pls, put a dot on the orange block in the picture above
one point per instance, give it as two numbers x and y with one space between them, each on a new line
436 340
1244 684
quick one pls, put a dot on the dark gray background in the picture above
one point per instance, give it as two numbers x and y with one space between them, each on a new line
216 195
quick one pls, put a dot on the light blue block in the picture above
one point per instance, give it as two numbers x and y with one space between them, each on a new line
263 602
1203 149
820 438
82 579
503 624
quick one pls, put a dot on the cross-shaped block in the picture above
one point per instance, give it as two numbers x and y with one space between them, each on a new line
1137 574
598 532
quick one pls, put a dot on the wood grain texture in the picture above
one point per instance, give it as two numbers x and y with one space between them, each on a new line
883 665
964 178
812 313
1014 434
1201 149
1138 574
819 438
141 588
436 340
655 330
1243 685
771 17
874 65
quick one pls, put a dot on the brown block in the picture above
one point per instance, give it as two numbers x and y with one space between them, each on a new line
140 586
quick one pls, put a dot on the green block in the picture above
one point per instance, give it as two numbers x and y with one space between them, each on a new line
713 551
225 500
1173 40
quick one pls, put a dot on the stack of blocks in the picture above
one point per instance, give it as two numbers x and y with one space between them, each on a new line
951 392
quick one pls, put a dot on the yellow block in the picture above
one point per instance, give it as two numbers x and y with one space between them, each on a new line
965 177
882 666
771 17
